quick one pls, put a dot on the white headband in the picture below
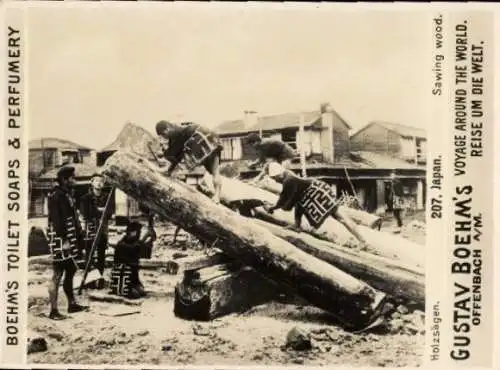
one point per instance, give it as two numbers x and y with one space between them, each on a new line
275 169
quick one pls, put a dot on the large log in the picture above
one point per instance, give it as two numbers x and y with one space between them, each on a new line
382 273
360 217
379 243
351 301
211 292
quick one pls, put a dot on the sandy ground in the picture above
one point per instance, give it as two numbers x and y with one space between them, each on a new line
257 337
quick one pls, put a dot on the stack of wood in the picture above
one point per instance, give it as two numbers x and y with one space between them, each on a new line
352 285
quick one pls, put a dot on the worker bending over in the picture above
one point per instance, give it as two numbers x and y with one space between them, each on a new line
194 143
313 198
270 150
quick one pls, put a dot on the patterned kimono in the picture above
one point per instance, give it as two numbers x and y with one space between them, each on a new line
125 273
63 226
397 195
315 199
194 144
89 207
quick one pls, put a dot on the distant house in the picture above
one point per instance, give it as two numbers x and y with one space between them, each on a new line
46 156
325 135
392 139
331 155
42 185
48 153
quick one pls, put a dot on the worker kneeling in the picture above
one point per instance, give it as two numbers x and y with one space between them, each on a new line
125 274
313 198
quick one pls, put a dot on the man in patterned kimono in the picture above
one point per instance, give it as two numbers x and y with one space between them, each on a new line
195 144
310 197
64 234
92 206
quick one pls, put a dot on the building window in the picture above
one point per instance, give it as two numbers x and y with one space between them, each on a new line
290 137
421 150
49 159
231 149
70 157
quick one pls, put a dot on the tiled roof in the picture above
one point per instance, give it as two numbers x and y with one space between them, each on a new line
273 122
403 130
54 143
376 160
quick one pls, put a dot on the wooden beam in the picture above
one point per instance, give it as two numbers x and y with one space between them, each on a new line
351 301
215 291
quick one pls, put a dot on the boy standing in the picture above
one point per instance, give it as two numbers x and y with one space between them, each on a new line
396 200
92 206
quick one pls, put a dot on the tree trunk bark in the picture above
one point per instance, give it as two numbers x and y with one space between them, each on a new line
384 274
353 302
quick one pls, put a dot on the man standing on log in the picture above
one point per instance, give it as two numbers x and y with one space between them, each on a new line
194 143
269 150
92 206
64 235
396 201
310 197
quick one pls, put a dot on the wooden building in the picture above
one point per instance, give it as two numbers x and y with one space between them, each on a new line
325 135
41 187
46 155
392 139
332 156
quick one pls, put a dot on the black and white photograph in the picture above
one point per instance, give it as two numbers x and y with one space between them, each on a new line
226 185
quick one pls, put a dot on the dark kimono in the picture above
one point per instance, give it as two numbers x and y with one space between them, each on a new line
63 226
193 143
89 208
312 198
397 199
125 273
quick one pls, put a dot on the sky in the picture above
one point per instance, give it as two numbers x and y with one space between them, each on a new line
92 69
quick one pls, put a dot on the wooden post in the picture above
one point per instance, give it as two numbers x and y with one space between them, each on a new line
380 184
420 194
96 240
302 144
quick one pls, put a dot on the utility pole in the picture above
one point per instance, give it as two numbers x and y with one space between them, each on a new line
302 146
